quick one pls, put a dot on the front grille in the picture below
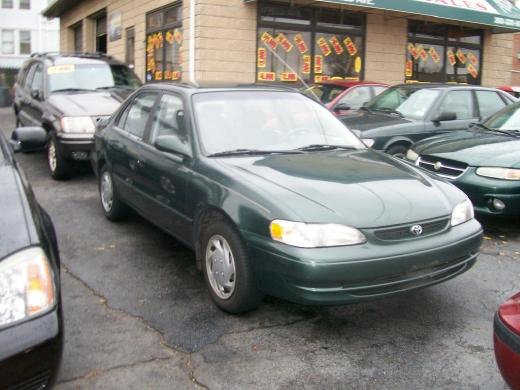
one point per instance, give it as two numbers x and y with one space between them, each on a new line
36 382
443 167
404 232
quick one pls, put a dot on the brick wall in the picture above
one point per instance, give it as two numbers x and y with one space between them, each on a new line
498 59
515 77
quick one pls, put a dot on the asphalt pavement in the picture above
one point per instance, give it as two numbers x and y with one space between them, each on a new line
138 316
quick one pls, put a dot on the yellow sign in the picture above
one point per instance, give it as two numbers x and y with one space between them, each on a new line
60 69
357 64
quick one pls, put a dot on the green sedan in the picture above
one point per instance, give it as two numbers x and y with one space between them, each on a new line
483 161
277 197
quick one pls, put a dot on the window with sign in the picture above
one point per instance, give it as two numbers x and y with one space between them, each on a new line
440 53
306 44
164 39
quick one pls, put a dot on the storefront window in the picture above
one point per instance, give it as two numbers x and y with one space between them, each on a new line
164 44
439 53
308 44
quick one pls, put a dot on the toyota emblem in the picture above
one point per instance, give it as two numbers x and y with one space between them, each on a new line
416 230
437 165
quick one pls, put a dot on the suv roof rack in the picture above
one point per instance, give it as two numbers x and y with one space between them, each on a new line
85 54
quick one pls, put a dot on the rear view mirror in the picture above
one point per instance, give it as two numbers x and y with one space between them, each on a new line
28 139
445 116
173 144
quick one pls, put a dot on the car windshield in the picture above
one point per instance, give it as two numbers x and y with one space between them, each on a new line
506 119
266 121
325 92
90 77
413 103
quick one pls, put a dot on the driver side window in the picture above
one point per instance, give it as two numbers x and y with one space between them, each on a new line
169 118
356 97
459 102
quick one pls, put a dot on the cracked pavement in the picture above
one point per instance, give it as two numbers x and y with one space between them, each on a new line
137 314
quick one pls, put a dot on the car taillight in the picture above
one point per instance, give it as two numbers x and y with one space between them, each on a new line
509 313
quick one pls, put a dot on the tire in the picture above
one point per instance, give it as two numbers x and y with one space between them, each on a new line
244 295
59 167
398 151
113 207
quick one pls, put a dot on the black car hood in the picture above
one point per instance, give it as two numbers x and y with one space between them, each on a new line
475 148
364 120
100 103
14 231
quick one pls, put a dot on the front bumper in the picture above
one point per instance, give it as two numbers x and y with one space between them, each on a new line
75 149
482 191
30 352
507 352
358 273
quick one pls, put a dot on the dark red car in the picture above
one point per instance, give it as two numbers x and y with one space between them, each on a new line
514 91
507 341
341 96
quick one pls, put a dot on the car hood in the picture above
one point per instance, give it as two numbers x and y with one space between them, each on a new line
100 103
475 148
363 120
14 232
360 188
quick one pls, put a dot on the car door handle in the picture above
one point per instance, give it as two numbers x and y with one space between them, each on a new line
136 164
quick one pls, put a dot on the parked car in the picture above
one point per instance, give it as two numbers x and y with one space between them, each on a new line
31 321
506 339
277 197
67 94
343 96
405 114
514 91
483 161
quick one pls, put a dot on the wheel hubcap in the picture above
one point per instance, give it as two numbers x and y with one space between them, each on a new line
51 155
220 267
107 192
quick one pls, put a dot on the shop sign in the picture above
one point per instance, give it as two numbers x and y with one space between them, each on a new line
300 43
351 46
115 26
261 57
324 46
336 45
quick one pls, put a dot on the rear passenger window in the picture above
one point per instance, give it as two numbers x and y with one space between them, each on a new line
489 103
459 102
136 115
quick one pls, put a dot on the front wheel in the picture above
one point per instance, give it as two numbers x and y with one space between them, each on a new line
113 206
227 269
59 167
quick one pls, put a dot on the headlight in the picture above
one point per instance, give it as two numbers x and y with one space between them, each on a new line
314 235
411 155
77 124
499 173
463 212
26 285
368 142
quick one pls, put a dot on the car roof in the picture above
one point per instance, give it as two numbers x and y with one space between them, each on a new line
350 83
211 86
441 86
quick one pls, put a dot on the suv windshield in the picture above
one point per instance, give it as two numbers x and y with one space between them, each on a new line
266 121
412 103
506 119
90 77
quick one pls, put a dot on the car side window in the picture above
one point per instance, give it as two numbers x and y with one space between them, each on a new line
355 97
37 79
29 76
489 102
136 115
378 90
459 102
169 118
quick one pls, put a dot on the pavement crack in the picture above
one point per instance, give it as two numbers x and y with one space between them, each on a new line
104 302
189 365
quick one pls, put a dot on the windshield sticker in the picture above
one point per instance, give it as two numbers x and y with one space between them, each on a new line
423 54
284 42
269 40
451 57
177 35
60 69
351 46
336 45
288 76
357 64
324 46
434 55
472 58
306 64
472 71
409 68
319 78
261 59
461 56
318 64
300 43
413 51
266 76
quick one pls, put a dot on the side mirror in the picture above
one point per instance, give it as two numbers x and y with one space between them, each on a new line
445 116
28 139
341 107
102 123
36 94
173 144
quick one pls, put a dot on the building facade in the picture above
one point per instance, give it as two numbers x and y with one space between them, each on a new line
23 30
295 42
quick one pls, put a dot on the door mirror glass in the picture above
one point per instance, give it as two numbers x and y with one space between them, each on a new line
28 139
445 116
172 144
342 107
36 94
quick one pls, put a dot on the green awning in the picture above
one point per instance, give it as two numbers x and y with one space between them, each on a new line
502 15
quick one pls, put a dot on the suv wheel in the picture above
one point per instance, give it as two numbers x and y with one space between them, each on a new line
59 167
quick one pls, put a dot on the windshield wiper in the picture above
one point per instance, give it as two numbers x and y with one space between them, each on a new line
365 108
511 133
318 147
115 87
391 111
72 90
252 152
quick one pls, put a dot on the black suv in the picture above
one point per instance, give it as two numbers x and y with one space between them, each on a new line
67 94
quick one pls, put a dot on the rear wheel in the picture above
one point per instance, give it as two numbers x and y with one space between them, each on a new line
398 151
113 206
227 269
59 167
